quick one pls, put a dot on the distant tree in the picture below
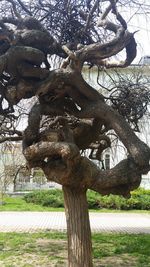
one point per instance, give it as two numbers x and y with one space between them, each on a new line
12 163
69 116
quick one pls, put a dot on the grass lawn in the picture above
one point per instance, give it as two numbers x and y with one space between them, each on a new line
19 204
49 249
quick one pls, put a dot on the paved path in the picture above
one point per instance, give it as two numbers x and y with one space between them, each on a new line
100 222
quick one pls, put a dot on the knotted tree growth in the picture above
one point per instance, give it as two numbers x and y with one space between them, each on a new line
69 116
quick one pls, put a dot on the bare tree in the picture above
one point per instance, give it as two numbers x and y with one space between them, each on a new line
12 163
70 116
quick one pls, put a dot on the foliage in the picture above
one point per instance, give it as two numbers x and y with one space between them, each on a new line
51 198
140 200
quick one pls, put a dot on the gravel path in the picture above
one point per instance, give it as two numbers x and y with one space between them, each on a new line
100 222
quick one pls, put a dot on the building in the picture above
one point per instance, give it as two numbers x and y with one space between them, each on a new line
104 80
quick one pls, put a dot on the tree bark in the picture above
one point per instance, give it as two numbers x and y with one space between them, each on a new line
78 228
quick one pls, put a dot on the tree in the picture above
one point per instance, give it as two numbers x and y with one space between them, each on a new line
12 163
69 116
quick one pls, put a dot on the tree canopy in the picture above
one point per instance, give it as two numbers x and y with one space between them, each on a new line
69 115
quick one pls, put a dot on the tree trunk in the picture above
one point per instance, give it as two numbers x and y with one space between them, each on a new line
78 228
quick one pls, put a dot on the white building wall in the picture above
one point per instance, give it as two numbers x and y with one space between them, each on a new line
117 150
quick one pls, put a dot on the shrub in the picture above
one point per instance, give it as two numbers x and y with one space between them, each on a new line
140 199
50 198
93 199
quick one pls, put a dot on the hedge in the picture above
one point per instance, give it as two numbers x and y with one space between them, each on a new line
48 198
140 200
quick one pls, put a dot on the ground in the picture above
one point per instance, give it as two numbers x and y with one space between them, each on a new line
49 249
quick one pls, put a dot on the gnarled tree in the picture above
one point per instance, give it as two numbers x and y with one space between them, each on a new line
69 116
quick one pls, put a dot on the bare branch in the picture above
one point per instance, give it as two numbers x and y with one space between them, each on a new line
107 10
121 179
14 9
24 7
10 138
27 48
90 14
138 150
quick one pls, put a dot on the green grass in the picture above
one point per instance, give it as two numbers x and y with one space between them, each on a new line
49 249
19 204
